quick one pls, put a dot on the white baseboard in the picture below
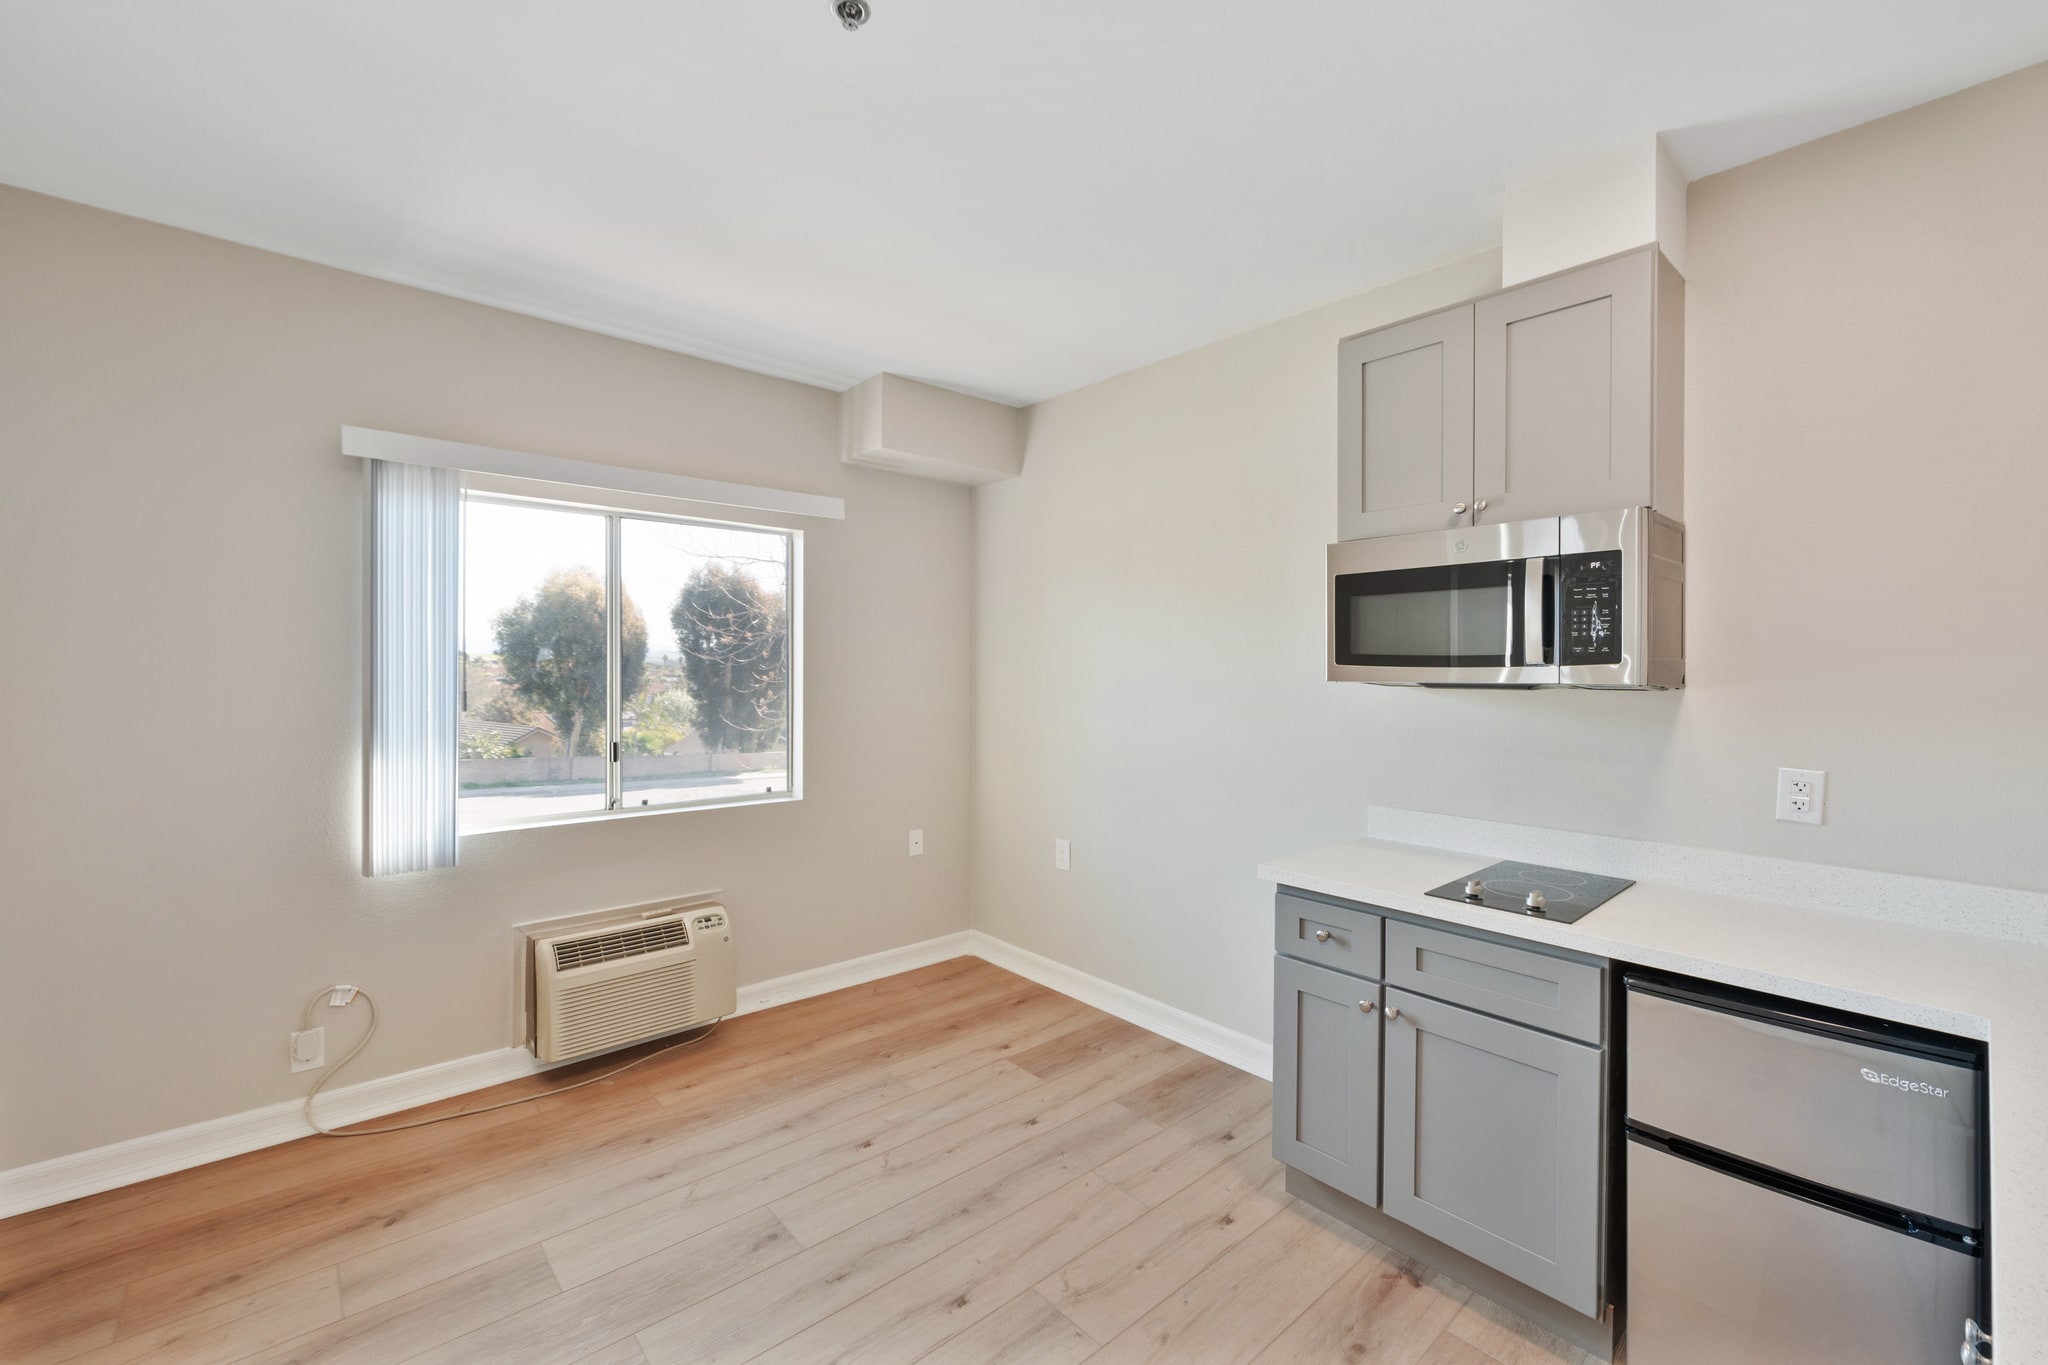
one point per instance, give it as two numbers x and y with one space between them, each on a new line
857 972
1240 1050
125 1163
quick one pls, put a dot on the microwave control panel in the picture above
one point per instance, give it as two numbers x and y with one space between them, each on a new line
1589 608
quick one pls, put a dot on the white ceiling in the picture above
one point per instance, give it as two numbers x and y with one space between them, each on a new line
1008 199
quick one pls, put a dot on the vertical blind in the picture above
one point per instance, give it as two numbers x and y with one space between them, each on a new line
415 594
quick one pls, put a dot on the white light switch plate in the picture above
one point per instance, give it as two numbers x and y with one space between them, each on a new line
1802 795
916 843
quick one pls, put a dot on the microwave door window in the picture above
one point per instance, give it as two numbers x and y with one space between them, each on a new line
1438 625
1456 616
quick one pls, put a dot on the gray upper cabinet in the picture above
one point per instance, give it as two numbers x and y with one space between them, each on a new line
1494 1144
1561 395
1405 418
1577 392
1326 1076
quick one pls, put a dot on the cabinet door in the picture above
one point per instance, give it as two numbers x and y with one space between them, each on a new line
1326 1076
1405 423
1493 1144
1562 399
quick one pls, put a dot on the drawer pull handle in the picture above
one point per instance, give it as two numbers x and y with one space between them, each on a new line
1365 1006
1322 935
1393 1011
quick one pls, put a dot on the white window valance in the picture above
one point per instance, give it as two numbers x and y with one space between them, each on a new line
430 452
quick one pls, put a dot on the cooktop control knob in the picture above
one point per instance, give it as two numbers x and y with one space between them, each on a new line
1474 890
1535 901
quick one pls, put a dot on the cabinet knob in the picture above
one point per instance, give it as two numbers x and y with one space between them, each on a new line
1393 1012
1365 1006
1322 935
1459 508
1480 505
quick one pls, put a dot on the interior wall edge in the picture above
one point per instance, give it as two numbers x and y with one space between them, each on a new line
1205 1036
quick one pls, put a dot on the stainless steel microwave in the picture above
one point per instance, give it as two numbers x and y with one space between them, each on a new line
1592 600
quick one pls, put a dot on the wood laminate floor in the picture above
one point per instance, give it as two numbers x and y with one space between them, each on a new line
948 1166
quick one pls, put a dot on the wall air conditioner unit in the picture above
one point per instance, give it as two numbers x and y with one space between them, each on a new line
603 988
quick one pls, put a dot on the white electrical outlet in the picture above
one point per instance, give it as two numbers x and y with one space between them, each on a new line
1061 857
1802 795
917 843
309 1050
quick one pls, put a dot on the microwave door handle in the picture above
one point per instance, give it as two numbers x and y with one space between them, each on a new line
1508 651
1533 653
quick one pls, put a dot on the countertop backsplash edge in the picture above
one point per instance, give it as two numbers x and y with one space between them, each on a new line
1900 898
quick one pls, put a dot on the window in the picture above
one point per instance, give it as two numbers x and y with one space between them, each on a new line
619 662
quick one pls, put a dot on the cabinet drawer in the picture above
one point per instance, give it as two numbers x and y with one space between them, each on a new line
1333 935
1513 983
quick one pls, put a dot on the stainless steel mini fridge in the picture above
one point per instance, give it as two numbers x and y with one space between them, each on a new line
1802 1185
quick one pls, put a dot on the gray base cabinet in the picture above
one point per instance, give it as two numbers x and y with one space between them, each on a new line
1474 1114
1326 1076
1493 1144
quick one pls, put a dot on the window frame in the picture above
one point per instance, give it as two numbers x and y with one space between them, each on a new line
615 516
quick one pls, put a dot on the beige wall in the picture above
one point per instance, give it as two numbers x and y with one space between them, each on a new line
181 545
1867 428
181 551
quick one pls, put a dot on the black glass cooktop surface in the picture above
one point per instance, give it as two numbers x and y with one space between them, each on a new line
1552 893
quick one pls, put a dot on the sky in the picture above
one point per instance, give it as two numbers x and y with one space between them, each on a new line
508 548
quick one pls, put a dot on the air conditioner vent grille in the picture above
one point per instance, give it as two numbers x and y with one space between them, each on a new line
602 1013
633 940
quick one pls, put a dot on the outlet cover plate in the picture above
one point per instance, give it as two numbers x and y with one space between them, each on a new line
309 1050
1802 795
917 843
1062 855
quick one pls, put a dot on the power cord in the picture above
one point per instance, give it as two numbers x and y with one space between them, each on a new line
343 995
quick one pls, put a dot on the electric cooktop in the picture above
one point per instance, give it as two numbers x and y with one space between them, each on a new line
1552 893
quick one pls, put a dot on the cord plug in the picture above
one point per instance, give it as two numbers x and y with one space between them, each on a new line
341 995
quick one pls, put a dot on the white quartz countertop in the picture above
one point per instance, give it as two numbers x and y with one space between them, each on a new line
1988 988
